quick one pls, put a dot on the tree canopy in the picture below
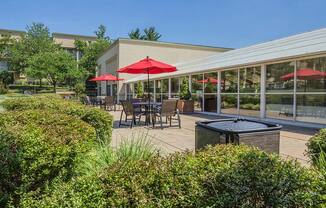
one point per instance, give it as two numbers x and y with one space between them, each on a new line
91 51
57 67
147 34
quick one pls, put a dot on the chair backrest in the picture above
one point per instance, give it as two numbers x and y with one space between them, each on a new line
127 107
169 107
109 100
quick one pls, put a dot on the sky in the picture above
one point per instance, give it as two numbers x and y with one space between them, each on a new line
223 23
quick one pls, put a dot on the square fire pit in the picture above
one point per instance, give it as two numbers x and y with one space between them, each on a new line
265 136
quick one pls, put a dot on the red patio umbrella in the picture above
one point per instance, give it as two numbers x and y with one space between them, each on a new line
305 74
209 79
106 77
148 66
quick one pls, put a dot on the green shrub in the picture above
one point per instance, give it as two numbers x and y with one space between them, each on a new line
99 119
221 176
316 144
38 146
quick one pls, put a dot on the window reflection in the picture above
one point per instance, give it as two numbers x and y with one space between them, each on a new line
249 105
250 80
279 106
197 91
229 81
229 104
275 81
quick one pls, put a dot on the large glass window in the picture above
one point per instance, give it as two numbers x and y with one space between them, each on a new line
311 90
249 87
129 89
229 91
210 92
197 91
162 90
175 87
279 90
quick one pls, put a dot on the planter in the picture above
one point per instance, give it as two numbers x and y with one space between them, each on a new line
185 106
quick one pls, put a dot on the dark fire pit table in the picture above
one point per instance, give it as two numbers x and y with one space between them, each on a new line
265 136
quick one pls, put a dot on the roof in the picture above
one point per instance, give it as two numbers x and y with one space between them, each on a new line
309 43
11 31
73 35
165 44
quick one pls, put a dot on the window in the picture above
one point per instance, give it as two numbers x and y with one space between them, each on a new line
249 90
279 90
197 91
162 89
175 90
210 92
311 90
229 91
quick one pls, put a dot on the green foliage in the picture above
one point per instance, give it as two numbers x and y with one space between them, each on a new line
221 176
316 145
36 40
6 78
102 156
80 89
148 34
5 45
97 118
38 146
185 93
139 90
92 50
56 66
3 90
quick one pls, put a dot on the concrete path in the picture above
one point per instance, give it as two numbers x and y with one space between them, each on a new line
172 139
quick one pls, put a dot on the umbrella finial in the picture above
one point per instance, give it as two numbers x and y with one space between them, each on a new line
147 57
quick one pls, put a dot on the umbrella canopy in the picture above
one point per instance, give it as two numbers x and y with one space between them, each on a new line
305 74
209 79
148 66
106 77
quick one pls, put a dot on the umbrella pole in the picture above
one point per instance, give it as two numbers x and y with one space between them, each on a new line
107 91
149 99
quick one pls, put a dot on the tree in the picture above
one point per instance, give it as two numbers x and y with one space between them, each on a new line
139 90
148 34
6 78
101 32
92 51
135 34
56 66
5 44
36 40
151 34
185 93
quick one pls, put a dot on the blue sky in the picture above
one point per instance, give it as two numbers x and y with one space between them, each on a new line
225 23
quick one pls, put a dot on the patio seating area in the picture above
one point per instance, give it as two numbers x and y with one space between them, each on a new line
172 139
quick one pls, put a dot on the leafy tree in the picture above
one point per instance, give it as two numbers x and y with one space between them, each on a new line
135 34
185 93
5 44
151 34
36 40
91 51
56 66
139 90
148 34
6 78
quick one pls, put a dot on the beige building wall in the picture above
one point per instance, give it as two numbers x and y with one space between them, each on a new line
68 40
125 51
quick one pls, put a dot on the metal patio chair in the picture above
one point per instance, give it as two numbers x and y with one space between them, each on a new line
169 110
129 111
109 103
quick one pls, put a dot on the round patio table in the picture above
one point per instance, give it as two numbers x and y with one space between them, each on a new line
148 109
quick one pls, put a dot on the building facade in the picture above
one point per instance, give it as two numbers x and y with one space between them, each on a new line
283 80
123 52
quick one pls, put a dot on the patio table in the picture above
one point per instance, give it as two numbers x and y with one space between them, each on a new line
148 109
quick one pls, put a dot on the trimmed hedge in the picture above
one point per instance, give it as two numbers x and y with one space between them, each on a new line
221 176
99 119
38 146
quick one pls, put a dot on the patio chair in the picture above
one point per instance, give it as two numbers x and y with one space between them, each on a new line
86 100
128 110
109 103
169 110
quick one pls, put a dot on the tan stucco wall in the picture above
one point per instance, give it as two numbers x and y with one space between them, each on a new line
125 52
67 41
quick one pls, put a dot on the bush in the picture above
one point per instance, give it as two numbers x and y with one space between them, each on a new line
3 90
316 144
99 119
221 176
38 146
